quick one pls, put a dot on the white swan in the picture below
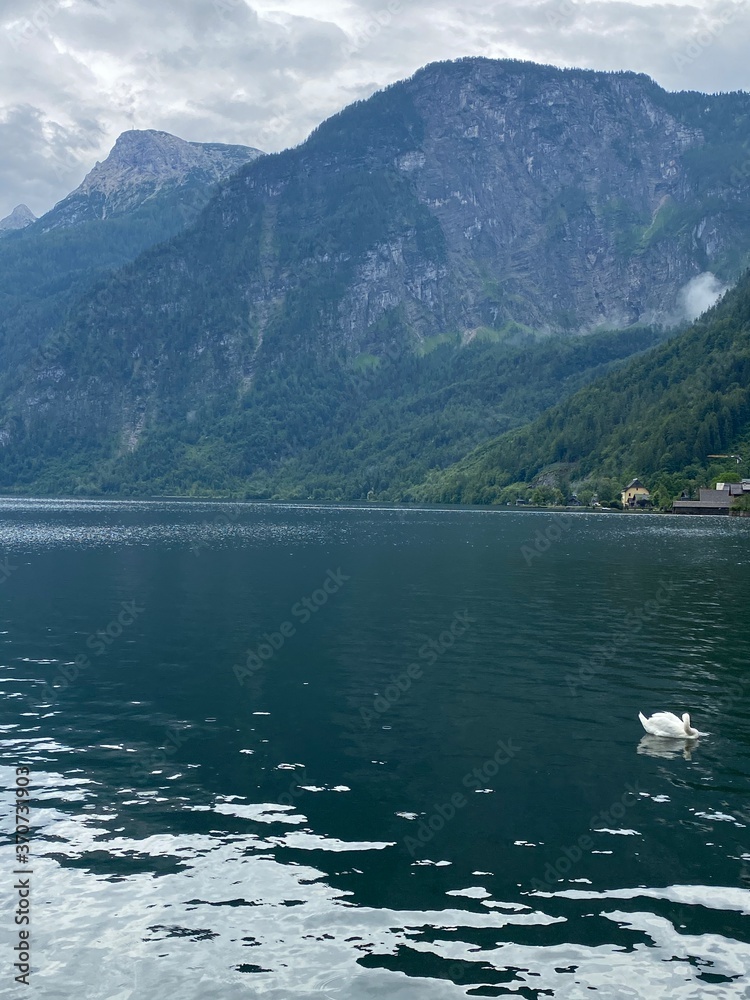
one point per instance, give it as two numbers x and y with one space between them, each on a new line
669 725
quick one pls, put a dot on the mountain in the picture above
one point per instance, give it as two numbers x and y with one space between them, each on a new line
151 186
665 417
19 218
447 223
143 166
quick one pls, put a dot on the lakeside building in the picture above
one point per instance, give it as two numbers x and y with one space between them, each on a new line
718 501
635 494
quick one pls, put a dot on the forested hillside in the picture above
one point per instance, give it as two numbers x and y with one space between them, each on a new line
659 417
375 428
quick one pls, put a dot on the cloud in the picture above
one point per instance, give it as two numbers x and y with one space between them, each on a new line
699 294
76 73
40 159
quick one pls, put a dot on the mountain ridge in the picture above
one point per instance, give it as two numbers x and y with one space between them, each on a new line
478 202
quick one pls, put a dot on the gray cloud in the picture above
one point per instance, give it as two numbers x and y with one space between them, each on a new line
76 73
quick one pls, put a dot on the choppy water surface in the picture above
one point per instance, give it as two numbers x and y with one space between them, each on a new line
286 751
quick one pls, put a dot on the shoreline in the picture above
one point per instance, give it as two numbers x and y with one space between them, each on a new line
350 505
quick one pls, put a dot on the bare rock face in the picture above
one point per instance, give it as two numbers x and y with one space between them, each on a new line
560 200
557 185
567 199
19 218
141 165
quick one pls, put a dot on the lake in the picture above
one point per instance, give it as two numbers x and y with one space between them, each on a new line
358 752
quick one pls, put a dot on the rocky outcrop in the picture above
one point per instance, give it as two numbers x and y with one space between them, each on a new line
141 165
19 218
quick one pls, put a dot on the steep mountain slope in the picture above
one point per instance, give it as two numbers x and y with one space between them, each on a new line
150 187
475 201
662 416
392 425
317 431
19 218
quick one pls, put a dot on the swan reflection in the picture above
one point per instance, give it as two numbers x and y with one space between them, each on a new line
660 746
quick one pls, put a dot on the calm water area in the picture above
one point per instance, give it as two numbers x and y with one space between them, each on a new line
342 753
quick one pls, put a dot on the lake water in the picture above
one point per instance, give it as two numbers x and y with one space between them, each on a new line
297 751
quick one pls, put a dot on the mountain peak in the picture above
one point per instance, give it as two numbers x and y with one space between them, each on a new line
19 218
141 164
162 156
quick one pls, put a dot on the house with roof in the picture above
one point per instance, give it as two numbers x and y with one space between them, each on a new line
718 501
635 494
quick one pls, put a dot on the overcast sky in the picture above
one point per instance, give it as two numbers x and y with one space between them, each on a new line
76 73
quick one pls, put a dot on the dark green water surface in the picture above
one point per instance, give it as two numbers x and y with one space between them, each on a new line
344 753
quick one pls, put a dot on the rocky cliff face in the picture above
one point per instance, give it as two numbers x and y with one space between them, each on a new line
557 200
143 164
555 185
567 199
19 218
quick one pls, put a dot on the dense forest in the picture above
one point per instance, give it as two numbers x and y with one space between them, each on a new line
374 427
660 417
